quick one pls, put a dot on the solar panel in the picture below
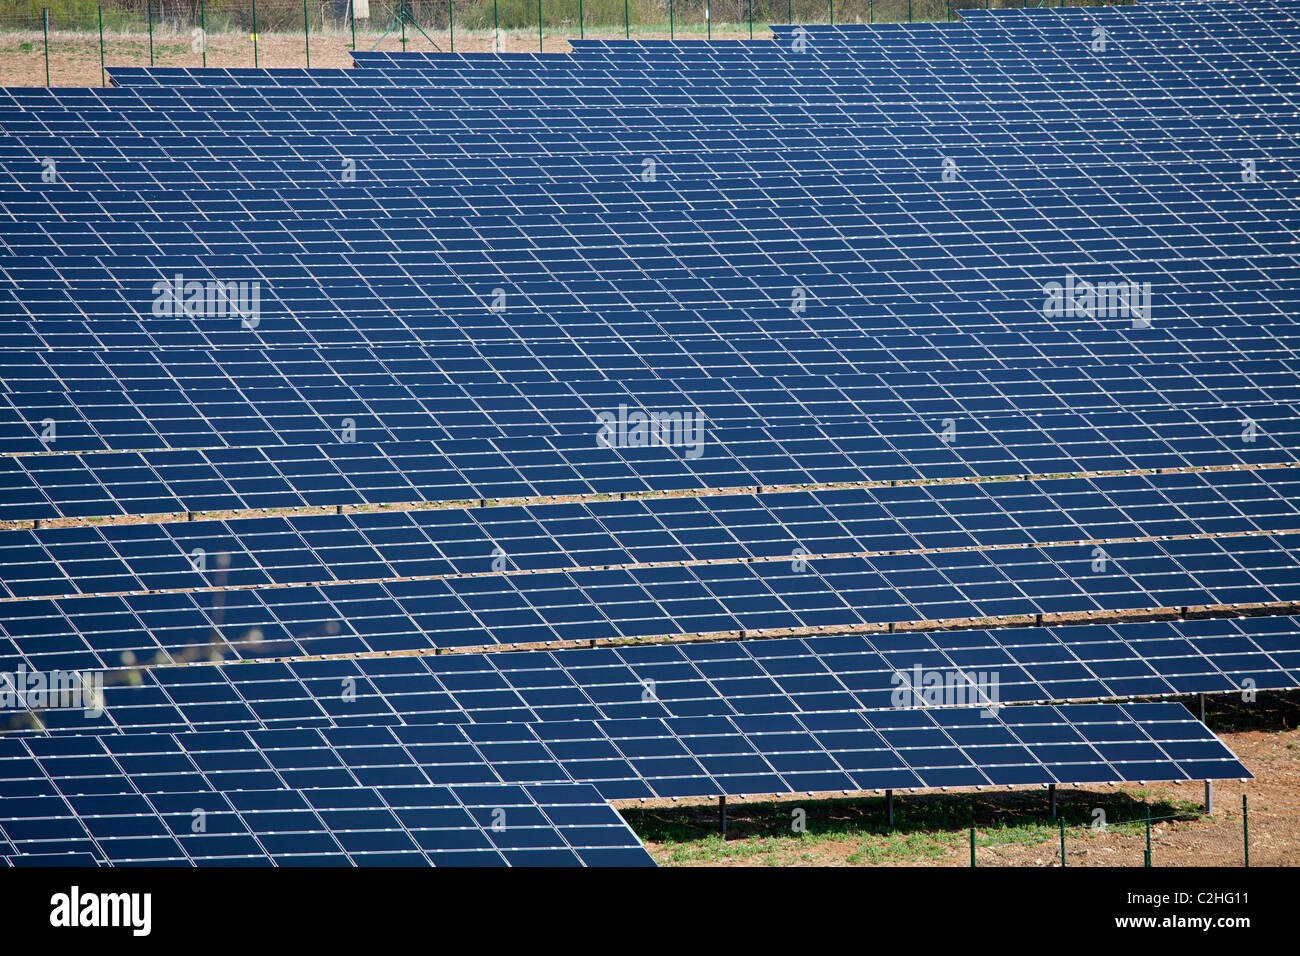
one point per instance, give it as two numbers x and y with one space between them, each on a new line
622 759
248 552
169 801
698 457
808 675
727 598
835 248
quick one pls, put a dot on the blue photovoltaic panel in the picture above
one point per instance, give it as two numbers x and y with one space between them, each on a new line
52 562
132 400
800 268
136 800
726 678
637 602
160 482
630 759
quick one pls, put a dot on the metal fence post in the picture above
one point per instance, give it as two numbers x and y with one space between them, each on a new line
150 6
1061 821
871 12
402 11
909 11
832 12
103 76
708 18
203 31
582 31
672 31
255 34
1146 859
627 22
496 29
789 17
972 846
45 21
751 19
352 15
306 34
1245 832
949 11
451 25
539 26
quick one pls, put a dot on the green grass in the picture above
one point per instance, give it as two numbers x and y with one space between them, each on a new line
927 827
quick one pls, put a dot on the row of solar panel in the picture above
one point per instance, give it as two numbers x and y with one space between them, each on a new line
407 146
695 457
645 601
120 819
463 260
787 94
403 298
500 380
707 341
236 400
322 548
990 669
113 780
1012 181
689 342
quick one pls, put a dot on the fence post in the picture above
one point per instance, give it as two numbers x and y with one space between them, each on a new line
627 22
909 11
832 12
352 15
402 11
306 35
871 12
582 32
45 21
751 19
789 17
203 31
708 18
451 25
539 26
496 29
949 11
150 6
1146 859
1061 821
255 34
972 846
1245 831
672 31
103 76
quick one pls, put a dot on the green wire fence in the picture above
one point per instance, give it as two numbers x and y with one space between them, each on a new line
71 35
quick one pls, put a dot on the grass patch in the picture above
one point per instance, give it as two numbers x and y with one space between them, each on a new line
927 827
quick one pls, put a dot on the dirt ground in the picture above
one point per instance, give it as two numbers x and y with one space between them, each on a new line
74 57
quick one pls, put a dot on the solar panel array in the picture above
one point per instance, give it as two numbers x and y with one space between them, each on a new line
727 678
439 281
